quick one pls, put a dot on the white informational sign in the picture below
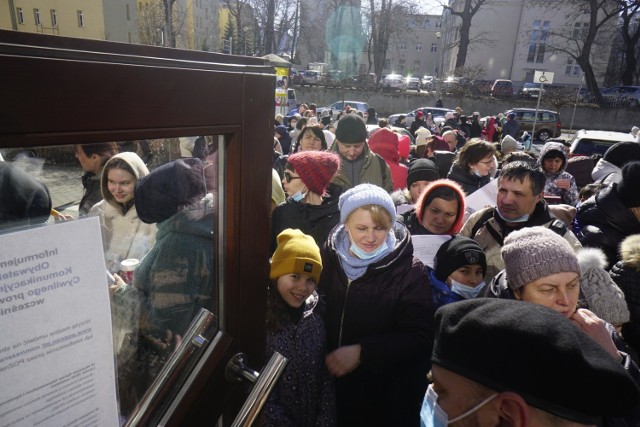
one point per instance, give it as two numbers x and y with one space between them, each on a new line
485 196
56 350
425 247
544 77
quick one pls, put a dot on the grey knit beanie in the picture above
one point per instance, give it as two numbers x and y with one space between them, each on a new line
365 194
535 252
603 296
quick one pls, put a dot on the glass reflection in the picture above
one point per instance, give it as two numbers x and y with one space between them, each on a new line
156 200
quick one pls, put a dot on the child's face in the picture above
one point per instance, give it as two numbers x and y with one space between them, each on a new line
295 288
470 275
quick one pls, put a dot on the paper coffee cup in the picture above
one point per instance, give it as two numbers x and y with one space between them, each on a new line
127 267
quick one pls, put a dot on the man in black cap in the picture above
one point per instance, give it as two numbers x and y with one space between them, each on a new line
604 220
513 363
358 164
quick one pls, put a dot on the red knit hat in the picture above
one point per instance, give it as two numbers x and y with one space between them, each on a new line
316 168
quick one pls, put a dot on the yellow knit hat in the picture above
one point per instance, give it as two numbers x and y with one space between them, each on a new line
296 253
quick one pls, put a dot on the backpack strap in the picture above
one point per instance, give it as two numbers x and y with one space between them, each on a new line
558 227
481 222
383 167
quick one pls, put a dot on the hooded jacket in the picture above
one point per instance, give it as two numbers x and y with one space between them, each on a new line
626 274
389 312
606 172
124 235
569 196
413 219
603 222
384 142
305 393
367 168
314 220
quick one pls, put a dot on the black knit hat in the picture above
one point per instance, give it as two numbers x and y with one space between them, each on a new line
351 129
621 153
168 189
628 187
422 170
456 253
525 348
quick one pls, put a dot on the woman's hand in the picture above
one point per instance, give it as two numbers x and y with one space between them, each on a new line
343 360
595 327
118 284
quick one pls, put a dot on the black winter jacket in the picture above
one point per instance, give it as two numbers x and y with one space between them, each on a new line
314 220
468 181
603 222
410 220
627 277
389 312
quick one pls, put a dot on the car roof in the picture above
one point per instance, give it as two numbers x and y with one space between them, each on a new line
530 109
604 135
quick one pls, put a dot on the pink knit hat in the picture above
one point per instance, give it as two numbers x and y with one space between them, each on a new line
316 168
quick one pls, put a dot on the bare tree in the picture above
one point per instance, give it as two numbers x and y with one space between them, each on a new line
591 18
465 14
158 24
630 31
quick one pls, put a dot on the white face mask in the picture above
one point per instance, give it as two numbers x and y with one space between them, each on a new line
432 414
465 291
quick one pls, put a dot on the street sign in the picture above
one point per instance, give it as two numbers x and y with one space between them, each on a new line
544 77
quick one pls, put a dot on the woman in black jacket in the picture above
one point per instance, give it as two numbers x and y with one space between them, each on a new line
472 167
379 313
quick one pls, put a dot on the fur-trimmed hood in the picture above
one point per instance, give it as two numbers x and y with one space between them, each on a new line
630 251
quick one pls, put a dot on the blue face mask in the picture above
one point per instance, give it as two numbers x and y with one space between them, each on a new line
432 415
523 218
360 253
297 197
466 291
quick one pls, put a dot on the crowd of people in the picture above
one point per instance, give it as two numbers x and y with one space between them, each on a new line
523 312
536 286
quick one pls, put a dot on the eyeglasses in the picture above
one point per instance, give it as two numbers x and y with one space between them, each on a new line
486 162
289 178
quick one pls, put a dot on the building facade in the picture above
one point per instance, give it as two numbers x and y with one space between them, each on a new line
512 39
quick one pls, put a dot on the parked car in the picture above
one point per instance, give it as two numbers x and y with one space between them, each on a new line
334 78
427 83
339 106
412 83
589 142
295 77
312 78
502 89
437 113
548 124
364 81
622 96
530 90
393 82
481 87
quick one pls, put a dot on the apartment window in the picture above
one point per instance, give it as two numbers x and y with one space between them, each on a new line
538 41
572 68
36 16
387 64
403 46
401 62
80 19
438 24
418 46
434 47
580 30
20 14
54 18
126 8
416 65
130 38
427 24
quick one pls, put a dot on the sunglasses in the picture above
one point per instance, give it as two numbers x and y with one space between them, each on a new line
289 178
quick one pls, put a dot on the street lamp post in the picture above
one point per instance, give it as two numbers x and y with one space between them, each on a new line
436 70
